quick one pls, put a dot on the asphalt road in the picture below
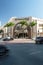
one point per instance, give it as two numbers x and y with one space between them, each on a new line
24 54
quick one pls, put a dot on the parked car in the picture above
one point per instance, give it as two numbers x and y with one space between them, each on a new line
4 50
39 40
7 39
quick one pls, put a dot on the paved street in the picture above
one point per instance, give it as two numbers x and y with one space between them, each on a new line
24 54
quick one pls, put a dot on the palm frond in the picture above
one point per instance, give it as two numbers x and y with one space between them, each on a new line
9 24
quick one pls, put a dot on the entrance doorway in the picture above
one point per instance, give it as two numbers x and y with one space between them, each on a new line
23 35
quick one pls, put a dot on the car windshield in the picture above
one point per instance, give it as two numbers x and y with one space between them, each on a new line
8 37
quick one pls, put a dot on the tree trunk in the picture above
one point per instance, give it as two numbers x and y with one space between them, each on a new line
31 32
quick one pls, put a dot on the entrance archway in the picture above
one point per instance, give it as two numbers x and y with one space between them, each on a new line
19 32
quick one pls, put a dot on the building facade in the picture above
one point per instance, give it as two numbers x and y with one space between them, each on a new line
16 32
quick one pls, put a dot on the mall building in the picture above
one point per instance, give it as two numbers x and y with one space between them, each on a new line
16 31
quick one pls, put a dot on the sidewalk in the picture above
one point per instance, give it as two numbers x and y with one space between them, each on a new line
21 41
18 41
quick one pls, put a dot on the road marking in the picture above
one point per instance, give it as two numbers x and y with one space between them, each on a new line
35 52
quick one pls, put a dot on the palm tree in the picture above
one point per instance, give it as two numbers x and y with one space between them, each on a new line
23 24
32 24
1 31
27 27
9 26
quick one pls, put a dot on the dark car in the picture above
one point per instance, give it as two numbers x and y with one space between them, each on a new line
4 50
7 39
39 40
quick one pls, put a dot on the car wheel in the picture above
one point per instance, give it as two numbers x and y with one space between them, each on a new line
36 42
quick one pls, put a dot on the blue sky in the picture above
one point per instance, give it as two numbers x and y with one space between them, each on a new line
20 8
